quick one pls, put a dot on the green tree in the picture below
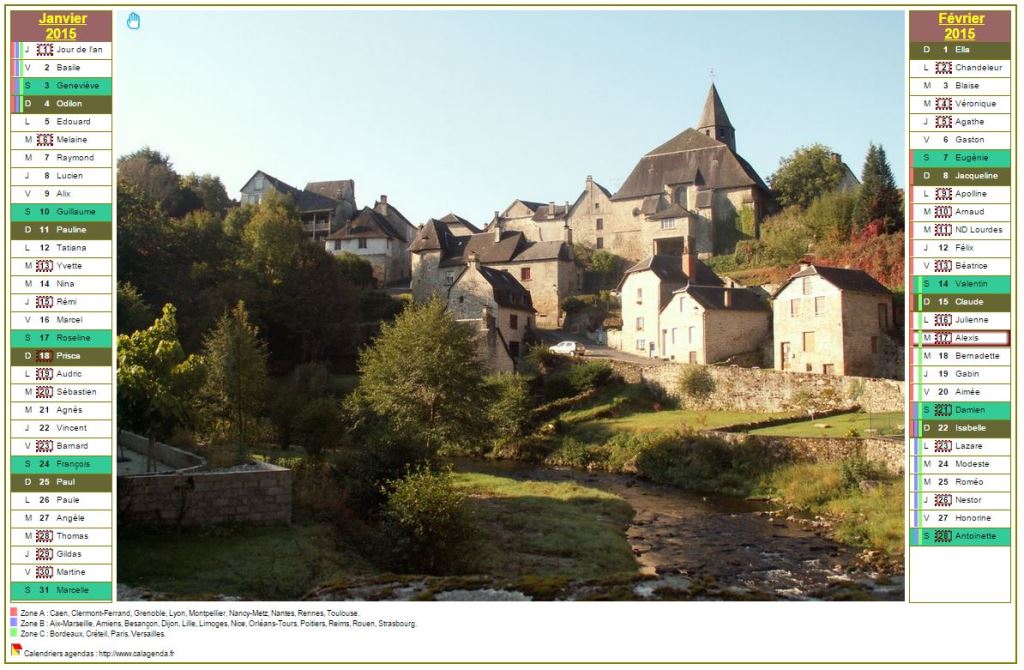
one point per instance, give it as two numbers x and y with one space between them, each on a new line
879 199
274 236
151 172
806 174
209 189
423 378
132 311
156 381
606 265
237 372
509 406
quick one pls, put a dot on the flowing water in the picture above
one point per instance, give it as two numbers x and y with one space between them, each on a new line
733 543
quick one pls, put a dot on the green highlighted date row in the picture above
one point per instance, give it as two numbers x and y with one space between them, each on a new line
61 465
962 284
21 591
46 213
991 411
961 537
64 85
70 339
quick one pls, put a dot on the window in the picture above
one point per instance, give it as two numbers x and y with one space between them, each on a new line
828 369
362 242
883 316
337 245
513 321
680 196
600 224
639 323
808 367
600 243
819 306
258 184
690 331
874 345
597 207
674 335
794 307
524 274
639 296
641 344
807 285
693 357
809 341
668 224
449 278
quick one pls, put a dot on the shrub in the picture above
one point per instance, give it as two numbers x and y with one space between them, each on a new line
317 427
696 382
576 454
510 407
586 376
558 385
855 470
425 522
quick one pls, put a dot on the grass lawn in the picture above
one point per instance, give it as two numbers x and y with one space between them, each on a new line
547 529
278 562
886 423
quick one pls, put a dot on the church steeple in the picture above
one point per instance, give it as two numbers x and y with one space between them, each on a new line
714 122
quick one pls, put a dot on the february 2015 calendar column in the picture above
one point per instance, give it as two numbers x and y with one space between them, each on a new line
60 308
960 205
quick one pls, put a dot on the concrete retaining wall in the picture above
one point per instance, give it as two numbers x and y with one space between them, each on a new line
252 493
179 459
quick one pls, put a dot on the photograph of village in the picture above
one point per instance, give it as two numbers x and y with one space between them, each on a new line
681 380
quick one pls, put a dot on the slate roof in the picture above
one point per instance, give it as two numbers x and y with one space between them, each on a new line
713 297
842 278
339 189
672 211
670 268
685 159
368 224
401 225
305 200
713 113
545 213
452 218
508 292
435 235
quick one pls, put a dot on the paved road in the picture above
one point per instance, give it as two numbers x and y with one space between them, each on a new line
595 350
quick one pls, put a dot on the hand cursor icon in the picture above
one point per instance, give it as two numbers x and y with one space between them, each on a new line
133 21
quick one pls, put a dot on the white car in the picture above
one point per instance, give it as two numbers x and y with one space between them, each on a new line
568 348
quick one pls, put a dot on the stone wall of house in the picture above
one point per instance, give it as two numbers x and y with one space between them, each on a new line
765 390
427 277
641 299
253 493
890 454
550 281
866 318
619 231
818 311
729 332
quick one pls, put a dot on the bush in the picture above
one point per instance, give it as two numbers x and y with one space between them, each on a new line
317 427
425 522
696 382
586 376
558 385
510 406
856 470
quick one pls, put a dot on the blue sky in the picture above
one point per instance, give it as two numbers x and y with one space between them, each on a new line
467 110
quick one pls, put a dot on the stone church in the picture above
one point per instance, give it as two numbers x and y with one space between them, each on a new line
694 185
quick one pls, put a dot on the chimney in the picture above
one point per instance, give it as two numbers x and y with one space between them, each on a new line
473 260
551 209
499 228
727 297
689 259
567 232
382 205
837 158
590 179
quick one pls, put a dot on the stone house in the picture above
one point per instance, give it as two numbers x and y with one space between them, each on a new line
497 307
458 225
709 324
539 222
648 287
323 205
548 269
832 321
381 236
693 185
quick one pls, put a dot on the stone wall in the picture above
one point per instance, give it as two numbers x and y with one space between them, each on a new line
252 493
889 454
764 390
179 459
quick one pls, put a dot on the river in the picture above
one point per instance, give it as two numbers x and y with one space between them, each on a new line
734 544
